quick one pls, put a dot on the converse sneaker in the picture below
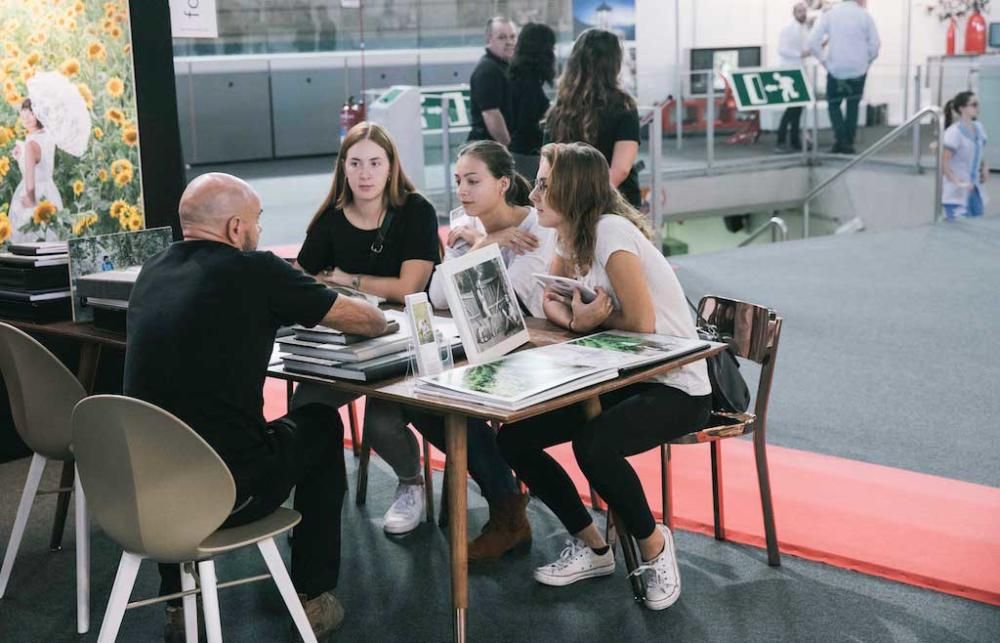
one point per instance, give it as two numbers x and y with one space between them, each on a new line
407 510
576 562
663 579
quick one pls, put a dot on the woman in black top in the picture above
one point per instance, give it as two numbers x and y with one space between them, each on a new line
533 65
374 232
591 107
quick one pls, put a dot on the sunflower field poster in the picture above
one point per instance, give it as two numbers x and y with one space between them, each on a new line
69 138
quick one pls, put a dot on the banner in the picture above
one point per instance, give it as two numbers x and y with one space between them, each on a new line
193 19
69 136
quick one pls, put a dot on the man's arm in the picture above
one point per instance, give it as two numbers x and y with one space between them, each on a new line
815 43
352 315
874 43
497 126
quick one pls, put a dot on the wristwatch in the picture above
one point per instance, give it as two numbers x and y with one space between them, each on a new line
356 282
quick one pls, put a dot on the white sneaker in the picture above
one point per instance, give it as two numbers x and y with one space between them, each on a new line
407 510
663 578
576 562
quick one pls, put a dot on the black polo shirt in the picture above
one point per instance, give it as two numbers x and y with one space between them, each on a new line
489 89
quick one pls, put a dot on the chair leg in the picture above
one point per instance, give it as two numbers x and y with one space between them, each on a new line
21 519
190 604
764 482
82 559
352 419
289 391
428 480
595 500
444 516
629 547
361 493
279 573
210 600
62 506
666 484
120 593
718 509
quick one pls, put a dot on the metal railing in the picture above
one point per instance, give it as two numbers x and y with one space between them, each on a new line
933 111
777 226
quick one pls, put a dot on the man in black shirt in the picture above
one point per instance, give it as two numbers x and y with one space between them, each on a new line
201 325
489 88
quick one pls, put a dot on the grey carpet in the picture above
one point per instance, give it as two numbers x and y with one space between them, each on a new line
397 590
889 347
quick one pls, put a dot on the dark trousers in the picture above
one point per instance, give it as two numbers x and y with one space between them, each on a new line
306 452
634 419
837 91
790 123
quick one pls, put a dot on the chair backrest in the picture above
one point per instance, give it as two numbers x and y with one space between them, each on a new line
753 331
153 484
42 393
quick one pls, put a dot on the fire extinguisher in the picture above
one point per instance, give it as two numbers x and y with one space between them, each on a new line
949 41
975 33
350 115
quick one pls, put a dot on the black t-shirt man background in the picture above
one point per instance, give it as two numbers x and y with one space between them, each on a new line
201 325
489 87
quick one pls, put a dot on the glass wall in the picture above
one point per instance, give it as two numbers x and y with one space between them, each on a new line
291 26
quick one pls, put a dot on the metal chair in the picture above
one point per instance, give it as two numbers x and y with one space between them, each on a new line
753 332
42 394
352 416
161 492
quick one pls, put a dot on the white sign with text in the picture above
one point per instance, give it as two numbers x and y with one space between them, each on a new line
193 19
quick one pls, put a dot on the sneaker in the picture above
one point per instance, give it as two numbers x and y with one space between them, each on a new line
325 614
407 510
576 562
663 578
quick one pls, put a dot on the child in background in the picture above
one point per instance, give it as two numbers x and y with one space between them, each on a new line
964 165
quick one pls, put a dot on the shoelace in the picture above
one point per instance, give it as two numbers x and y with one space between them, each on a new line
571 551
659 577
408 496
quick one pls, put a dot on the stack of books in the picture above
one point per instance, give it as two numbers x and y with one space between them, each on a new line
333 354
34 282
107 293
536 375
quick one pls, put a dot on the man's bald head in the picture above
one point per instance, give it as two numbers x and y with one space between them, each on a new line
221 207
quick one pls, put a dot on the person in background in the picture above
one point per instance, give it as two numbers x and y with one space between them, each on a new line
533 65
964 167
604 242
489 87
35 157
792 52
495 209
202 320
852 45
592 107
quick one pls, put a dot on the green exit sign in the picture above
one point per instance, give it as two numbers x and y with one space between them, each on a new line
763 88
458 108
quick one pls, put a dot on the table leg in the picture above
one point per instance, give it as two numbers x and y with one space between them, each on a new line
456 439
90 355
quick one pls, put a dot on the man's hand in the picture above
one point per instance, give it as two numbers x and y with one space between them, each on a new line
352 315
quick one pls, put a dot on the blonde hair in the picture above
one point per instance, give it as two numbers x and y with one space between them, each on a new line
398 187
578 187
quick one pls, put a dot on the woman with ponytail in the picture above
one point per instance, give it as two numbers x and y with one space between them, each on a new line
494 209
964 163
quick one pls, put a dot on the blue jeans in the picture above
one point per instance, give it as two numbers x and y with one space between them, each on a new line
973 207
838 90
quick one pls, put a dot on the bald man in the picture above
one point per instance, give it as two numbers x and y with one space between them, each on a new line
202 320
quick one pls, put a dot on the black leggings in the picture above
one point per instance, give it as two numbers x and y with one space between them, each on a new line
634 419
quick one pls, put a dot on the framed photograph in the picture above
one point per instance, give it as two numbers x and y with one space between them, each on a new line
483 304
101 253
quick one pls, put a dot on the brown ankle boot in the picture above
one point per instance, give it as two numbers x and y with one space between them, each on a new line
507 529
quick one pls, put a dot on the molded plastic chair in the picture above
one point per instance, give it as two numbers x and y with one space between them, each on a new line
161 492
42 395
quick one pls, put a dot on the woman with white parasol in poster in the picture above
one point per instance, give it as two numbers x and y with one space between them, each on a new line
54 114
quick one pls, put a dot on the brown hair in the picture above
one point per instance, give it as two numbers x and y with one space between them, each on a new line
397 189
26 105
588 88
578 187
500 163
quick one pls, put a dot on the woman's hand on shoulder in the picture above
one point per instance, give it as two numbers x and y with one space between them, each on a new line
513 238
587 317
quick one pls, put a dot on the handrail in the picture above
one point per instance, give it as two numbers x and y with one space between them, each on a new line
931 110
775 224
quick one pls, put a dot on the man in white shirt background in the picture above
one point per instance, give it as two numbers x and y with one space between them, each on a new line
792 51
852 44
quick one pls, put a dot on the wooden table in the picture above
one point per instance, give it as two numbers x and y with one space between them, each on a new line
456 414
91 340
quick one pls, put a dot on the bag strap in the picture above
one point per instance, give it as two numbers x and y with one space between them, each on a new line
379 243
701 321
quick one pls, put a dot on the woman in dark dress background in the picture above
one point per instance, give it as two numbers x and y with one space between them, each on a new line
533 65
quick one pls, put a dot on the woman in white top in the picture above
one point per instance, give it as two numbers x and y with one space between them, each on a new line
494 210
964 161
35 157
604 242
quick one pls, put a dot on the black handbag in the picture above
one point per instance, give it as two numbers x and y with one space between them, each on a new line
730 393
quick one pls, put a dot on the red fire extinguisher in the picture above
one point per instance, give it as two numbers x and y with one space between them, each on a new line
351 114
949 48
975 33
